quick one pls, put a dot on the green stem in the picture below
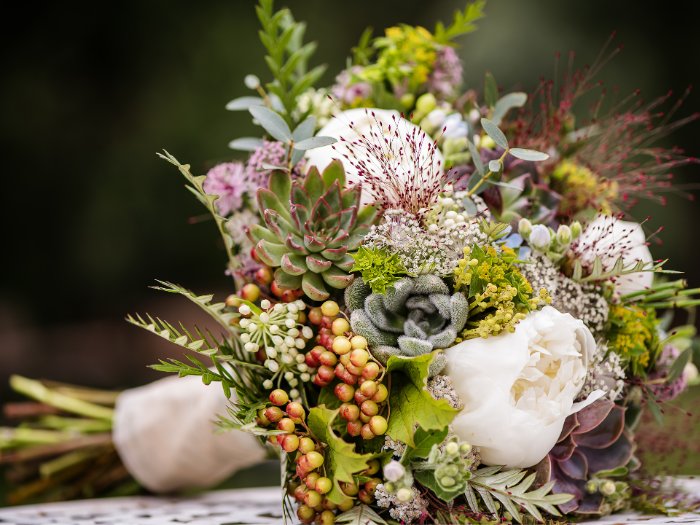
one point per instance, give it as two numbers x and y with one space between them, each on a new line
485 177
675 285
36 390
50 468
71 424
13 437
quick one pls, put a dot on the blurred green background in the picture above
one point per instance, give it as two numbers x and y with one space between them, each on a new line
90 92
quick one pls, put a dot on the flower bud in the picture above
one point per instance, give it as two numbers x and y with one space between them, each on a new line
251 82
404 495
540 237
394 471
426 103
524 227
607 488
452 448
576 230
564 234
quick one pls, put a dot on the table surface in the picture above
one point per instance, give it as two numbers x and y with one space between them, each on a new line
256 506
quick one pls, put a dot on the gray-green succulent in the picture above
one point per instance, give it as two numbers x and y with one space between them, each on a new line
414 317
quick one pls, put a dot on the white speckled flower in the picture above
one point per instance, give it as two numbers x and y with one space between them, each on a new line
611 238
518 388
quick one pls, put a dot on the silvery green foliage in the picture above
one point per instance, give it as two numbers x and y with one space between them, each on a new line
414 317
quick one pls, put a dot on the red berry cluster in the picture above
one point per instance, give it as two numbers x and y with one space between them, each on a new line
344 356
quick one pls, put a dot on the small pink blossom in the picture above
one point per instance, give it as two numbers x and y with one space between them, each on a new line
229 182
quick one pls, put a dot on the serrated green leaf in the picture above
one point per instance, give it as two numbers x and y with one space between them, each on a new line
360 515
410 403
424 442
341 460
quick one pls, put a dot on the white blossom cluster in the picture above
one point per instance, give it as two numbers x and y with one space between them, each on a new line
581 300
434 248
277 330
404 511
396 446
440 387
606 373
316 102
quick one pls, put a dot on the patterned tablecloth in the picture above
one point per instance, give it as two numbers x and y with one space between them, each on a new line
258 506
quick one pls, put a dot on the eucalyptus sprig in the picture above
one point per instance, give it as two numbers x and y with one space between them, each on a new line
477 182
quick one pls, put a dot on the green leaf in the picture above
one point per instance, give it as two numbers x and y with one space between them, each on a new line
272 123
505 104
424 442
244 103
463 23
490 90
410 403
496 134
528 154
246 144
679 365
360 515
476 158
305 130
314 142
341 461
281 185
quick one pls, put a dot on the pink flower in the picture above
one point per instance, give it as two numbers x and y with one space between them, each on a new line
447 75
229 182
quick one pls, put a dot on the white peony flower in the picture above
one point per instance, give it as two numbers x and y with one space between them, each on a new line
388 148
611 238
518 388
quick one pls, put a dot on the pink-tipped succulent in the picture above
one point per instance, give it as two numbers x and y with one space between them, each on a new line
592 440
310 227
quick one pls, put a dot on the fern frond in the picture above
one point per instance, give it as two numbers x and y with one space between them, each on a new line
463 22
180 337
195 186
510 488
217 311
598 272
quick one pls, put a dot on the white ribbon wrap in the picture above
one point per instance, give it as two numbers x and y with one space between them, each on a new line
164 433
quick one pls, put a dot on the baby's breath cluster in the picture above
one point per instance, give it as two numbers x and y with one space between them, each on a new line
434 246
279 334
399 494
605 372
585 301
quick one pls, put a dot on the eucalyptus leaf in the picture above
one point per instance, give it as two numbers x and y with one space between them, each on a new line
495 166
476 158
490 90
272 122
244 103
305 130
505 104
246 144
314 142
496 134
528 154
679 365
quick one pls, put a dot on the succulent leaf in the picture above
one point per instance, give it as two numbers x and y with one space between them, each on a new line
313 286
293 264
310 229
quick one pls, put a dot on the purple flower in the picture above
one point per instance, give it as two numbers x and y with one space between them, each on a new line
447 74
348 89
229 182
271 153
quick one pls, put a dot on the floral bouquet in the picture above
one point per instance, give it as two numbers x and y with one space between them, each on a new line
444 311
